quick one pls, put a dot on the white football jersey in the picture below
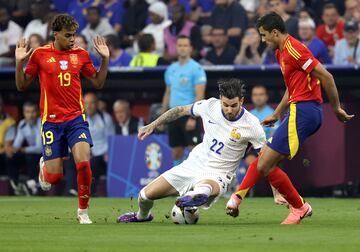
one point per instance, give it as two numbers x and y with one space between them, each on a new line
225 141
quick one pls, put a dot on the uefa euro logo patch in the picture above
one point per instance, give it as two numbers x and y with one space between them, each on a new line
153 156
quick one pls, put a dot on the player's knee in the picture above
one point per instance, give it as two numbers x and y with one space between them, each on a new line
53 178
143 196
262 169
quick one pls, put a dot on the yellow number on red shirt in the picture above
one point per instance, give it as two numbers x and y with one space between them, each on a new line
65 79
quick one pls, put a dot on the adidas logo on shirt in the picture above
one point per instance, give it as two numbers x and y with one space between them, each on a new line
51 60
83 136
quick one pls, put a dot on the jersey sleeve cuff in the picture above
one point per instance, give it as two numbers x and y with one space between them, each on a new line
192 111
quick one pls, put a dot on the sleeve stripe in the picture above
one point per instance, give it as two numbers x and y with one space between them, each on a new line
292 52
293 49
192 110
307 64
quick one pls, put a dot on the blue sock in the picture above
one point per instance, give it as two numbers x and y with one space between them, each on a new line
177 162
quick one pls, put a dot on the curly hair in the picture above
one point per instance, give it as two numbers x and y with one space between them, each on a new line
64 21
231 88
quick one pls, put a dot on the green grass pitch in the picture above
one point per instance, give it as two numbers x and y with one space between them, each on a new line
48 224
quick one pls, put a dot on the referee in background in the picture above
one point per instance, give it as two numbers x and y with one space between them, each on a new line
185 82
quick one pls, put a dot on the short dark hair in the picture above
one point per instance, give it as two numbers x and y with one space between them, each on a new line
270 22
259 86
231 88
95 8
113 40
145 42
329 6
30 104
219 28
66 21
183 37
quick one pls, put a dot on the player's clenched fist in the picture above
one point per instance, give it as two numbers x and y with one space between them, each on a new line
232 206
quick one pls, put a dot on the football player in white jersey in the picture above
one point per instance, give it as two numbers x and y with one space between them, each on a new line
205 175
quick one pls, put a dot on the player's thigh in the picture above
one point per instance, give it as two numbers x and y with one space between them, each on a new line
268 159
176 133
159 188
79 139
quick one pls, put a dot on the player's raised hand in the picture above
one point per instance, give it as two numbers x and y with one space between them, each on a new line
269 121
21 51
342 116
145 131
101 47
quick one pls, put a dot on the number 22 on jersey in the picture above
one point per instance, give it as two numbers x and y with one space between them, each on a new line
64 79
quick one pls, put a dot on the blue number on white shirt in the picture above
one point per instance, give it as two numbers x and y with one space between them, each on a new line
219 148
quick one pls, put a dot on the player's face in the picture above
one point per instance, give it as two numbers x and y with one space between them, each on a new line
259 97
30 113
65 39
231 107
90 104
270 38
183 47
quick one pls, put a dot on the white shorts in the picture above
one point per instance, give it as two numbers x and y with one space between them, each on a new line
185 176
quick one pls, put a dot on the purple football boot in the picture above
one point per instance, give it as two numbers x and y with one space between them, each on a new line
191 201
132 217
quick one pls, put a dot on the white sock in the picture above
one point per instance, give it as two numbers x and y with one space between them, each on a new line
200 189
145 205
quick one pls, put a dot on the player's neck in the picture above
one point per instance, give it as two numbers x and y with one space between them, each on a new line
282 40
57 46
183 60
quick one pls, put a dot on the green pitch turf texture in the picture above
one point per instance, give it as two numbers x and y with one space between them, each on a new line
49 224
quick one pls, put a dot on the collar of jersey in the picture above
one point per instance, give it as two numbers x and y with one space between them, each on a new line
236 118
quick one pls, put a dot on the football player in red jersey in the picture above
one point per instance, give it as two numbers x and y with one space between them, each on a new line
58 66
303 76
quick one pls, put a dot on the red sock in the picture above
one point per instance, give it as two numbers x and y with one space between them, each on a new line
84 177
280 180
52 178
252 176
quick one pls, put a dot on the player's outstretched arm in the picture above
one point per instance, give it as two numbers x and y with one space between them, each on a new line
274 117
328 83
98 80
168 116
22 80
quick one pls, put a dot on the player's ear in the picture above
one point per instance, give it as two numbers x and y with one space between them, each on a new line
241 101
55 33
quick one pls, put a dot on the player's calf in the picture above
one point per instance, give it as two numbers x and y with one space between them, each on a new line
46 179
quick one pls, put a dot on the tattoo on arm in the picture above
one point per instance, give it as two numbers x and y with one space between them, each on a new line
173 114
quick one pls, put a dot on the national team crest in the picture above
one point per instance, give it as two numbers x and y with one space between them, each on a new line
48 151
153 156
235 135
64 64
74 59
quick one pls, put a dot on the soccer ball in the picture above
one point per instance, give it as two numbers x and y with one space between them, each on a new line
188 215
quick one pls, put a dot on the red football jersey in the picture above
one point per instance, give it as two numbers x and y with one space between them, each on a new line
296 63
330 37
59 75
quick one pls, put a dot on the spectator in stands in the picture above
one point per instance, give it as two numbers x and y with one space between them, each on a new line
178 27
134 21
171 3
222 53
102 105
125 124
315 45
291 22
7 136
10 33
206 40
78 9
347 50
231 16
251 49
19 10
201 11
118 57
159 22
293 6
27 148
306 13
352 10
80 40
97 26
35 41
146 57
40 14
114 11
185 83
332 28
101 127
318 6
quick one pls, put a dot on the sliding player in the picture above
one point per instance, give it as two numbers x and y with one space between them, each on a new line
58 66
